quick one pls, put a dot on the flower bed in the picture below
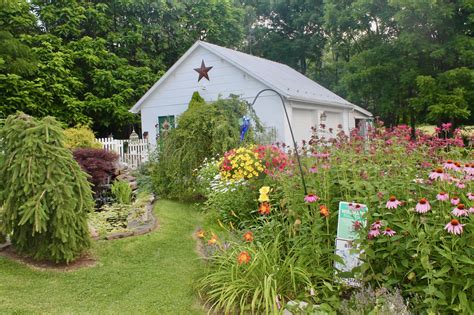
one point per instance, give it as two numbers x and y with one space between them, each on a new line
281 246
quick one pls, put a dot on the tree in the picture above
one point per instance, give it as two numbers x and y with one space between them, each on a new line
44 193
289 32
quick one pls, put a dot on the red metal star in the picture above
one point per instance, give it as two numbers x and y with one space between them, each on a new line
203 71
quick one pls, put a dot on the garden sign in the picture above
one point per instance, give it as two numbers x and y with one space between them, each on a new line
351 218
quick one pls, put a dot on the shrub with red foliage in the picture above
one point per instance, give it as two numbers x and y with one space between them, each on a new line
98 163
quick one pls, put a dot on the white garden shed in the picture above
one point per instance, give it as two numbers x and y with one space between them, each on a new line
217 72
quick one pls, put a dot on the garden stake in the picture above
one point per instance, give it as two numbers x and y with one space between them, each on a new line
291 132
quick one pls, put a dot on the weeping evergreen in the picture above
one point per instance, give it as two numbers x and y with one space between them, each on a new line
44 192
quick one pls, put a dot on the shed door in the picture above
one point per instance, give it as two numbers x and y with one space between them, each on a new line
303 120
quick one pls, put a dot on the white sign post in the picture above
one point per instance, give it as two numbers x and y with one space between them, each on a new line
350 219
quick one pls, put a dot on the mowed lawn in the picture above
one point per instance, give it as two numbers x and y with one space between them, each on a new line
149 274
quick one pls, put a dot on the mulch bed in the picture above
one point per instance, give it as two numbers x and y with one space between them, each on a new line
86 260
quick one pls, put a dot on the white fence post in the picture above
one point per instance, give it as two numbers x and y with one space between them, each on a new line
133 153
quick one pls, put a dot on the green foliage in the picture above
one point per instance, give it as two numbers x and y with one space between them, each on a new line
44 192
80 137
272 275
196 100
202 132
122 192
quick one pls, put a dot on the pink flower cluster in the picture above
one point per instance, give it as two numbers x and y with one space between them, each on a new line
375 230
274 158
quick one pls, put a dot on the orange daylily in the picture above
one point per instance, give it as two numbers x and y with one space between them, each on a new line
248 237
243 258
264 208
324 211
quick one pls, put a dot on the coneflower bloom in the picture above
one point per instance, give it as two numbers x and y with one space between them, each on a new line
388 231
264 208
437 174
313 169
374 232
469 169
351 206
377 224
470 196
324 211
460 185
393 203
455 200
442 196
423 206
471 210
458 166
248 237
243 258
454 227
310 198
459 211
357 207
449 165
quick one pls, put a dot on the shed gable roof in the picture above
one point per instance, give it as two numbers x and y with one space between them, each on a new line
287 81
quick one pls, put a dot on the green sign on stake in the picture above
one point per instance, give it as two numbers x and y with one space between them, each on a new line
351 216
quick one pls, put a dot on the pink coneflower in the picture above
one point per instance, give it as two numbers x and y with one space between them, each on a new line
437 174
321 155
313 169
471 210
470 196
310 198
357 207
459 211
376 225
351 206
449 165
468 169
454 227
388 231
454 200
442 196
460 185
393 203
423 206
374 232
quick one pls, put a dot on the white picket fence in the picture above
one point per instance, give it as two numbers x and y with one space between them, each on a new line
133 153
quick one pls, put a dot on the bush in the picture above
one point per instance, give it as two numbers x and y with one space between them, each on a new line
44 192
98 163
203 131
80 137
122 192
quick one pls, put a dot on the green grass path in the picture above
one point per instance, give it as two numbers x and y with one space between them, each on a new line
149 274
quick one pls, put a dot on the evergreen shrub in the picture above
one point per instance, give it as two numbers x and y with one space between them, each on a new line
44 193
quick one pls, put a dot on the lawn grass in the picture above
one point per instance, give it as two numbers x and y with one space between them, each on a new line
149 274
